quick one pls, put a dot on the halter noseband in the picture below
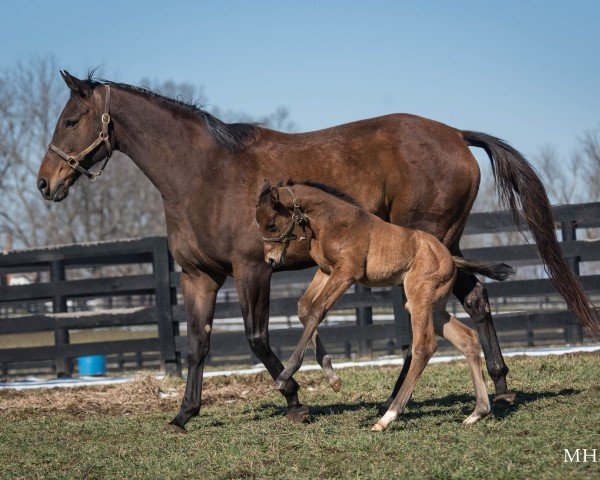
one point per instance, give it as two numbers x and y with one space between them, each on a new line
298 218
74 160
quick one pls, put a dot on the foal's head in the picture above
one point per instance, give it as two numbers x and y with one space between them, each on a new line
82 123
280 222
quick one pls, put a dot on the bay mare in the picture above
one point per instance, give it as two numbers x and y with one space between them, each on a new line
351 245
405 169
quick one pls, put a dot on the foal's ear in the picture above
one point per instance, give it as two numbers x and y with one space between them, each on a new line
80 87
274 195
264 189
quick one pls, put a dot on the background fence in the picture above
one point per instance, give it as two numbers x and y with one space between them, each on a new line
122 299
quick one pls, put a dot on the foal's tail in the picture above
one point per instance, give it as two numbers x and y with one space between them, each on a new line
520 188
495 271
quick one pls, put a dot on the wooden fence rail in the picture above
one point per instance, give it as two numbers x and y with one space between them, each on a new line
155 276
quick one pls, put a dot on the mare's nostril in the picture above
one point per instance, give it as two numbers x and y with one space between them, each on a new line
43 187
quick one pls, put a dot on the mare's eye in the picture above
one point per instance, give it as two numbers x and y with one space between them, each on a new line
271 227
71 123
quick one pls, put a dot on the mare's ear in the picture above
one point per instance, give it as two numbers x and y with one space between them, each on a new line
77 86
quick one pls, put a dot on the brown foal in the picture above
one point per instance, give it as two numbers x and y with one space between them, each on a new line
351 245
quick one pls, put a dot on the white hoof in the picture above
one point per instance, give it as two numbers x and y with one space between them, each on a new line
475 417
384 421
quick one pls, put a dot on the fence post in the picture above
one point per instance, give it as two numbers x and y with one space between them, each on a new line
364 316
569 234
401 319
164 296
62 364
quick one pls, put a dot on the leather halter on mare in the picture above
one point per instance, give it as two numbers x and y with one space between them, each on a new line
298 218
74 160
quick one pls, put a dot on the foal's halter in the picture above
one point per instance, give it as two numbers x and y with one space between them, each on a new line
74 160
298 218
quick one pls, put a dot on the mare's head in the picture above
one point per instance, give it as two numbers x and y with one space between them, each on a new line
280 222
81 138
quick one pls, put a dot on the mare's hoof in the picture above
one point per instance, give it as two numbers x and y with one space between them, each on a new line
298 415
507 398
170 428
336 384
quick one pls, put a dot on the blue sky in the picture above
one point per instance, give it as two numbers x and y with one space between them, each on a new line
525 71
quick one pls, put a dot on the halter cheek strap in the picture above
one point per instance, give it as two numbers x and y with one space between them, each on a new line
298 218
74 160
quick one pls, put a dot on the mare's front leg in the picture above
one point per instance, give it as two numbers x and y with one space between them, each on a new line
199 295
253 285
335 286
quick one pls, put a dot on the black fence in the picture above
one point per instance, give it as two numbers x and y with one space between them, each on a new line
62 300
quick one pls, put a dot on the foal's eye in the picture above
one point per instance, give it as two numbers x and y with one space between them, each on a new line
71 123
271 227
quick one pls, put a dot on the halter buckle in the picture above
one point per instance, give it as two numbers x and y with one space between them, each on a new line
105 118
72 163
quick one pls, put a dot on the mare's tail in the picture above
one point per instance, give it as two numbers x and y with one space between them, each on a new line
520 188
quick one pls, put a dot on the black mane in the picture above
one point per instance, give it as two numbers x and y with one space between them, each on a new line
235 137
327 189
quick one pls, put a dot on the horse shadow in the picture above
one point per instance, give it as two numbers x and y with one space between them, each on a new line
440 406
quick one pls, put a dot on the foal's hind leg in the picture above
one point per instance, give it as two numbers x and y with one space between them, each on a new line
323 358
407 358
466 341
423 348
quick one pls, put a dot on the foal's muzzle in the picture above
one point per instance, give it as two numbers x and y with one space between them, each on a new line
275 261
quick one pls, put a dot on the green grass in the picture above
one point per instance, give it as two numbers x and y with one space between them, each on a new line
556 408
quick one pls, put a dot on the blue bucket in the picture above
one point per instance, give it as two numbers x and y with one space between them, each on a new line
92 365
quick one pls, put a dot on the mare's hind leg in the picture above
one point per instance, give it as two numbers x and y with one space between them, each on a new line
323 358
465 340
423 348
473 296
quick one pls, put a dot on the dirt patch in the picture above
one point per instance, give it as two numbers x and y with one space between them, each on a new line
145 394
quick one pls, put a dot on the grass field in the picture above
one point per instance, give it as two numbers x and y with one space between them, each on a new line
116 432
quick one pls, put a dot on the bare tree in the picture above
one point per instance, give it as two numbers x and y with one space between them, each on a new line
123 204
590 160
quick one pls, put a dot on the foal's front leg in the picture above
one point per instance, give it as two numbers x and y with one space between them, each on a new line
323 358
335 286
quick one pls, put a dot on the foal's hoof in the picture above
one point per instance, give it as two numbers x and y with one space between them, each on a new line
507 398
378 427
336 384
170 428
298 415
280 384
475 417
